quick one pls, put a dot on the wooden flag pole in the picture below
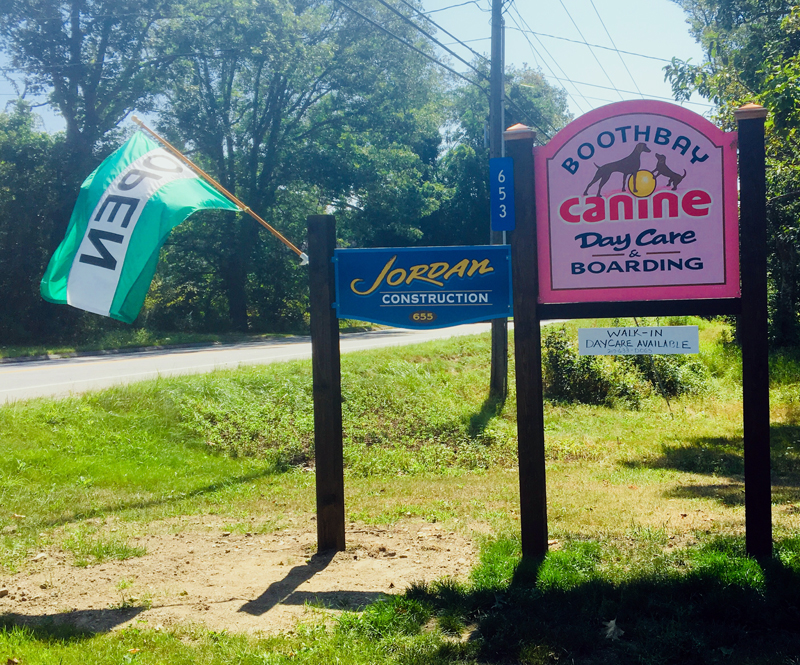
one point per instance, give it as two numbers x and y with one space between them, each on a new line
222 190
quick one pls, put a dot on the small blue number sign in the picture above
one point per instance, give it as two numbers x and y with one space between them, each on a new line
501 184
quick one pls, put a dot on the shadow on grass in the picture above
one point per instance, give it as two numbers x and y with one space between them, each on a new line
102 511
491 407
719 456
284 592
711 604
79 624
724 457
727 494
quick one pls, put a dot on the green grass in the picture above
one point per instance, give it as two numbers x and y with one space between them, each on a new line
706 604
220 443
90 549
390 631
126 338
645 506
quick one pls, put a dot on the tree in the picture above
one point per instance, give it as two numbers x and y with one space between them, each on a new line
464 166
751 55
28 197
97 60
297 104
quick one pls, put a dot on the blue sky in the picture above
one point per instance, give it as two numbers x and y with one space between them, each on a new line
655 31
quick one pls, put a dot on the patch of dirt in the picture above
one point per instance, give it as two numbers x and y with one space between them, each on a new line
236 582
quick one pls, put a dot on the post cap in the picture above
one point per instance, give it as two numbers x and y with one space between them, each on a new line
519 131
750 112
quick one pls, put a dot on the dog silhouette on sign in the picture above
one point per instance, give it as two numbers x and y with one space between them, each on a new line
673 179
627 166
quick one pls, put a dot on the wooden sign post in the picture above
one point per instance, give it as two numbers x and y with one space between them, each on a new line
419 288
327 388
753 330
528 349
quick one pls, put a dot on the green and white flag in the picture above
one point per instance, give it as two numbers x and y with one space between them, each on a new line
124 213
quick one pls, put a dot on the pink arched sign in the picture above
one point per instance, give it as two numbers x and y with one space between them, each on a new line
637 201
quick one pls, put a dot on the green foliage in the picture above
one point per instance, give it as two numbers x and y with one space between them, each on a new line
571 377
499 559
296 106
199 443
462 170
724 562
751 55
269 417
28 200
673 375
389 428
309 644
723 358
135 453
95 58
571 567
299 107
616 380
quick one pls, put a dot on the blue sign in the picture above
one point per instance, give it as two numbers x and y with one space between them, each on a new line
423 287
501 193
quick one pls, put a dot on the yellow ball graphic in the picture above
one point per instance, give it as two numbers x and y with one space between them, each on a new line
645 184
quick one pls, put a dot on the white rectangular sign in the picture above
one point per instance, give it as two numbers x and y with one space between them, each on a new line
638 341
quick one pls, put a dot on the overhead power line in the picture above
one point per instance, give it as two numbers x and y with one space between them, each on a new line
611 39
461 42
553 129
510 103
572 41
462 4
628 92
594 55
605 48
472 41
533 49
432 38
411 46
449 34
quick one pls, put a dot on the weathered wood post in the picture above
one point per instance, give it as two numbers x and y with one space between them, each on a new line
753 329
327 384
528 349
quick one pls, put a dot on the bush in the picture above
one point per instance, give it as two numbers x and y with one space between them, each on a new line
616 380
673 375
571 377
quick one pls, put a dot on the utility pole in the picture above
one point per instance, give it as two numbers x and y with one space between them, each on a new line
498 382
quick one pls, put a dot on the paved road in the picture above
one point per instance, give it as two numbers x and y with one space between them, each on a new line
59 377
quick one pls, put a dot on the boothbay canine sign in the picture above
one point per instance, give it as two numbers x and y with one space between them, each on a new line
638 202
646 340
425 287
